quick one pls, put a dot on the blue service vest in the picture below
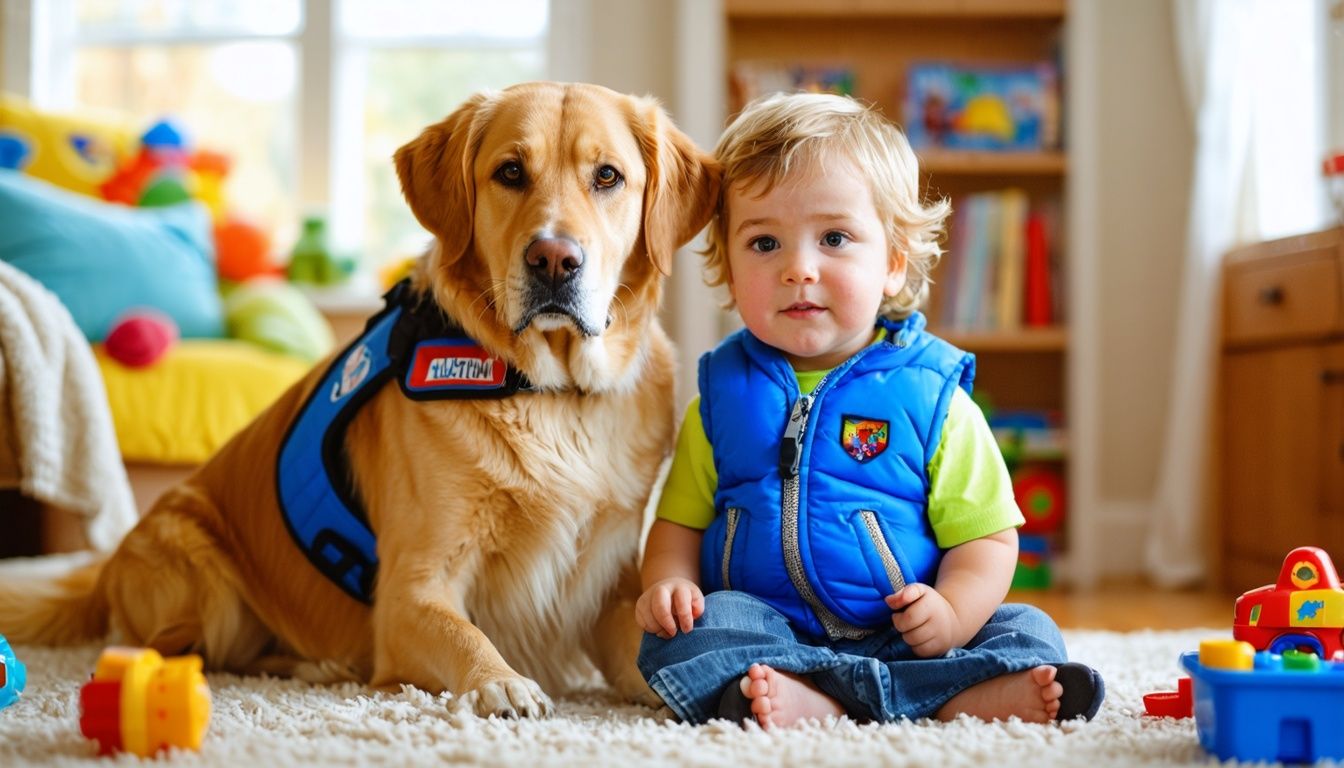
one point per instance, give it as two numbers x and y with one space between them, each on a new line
432 359
821 506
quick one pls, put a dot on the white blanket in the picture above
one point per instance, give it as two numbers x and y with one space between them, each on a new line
57 443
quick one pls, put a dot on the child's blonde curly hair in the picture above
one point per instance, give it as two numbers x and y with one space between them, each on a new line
776 134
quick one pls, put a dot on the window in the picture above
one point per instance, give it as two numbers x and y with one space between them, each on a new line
309 98
407 64
1288 106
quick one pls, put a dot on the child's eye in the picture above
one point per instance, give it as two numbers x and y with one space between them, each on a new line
763 244
834 239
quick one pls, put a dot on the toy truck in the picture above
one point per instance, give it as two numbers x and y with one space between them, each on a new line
1303 611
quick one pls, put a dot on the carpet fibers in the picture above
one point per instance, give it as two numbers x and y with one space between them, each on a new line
265 722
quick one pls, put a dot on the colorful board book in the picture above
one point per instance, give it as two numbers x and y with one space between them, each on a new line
983 108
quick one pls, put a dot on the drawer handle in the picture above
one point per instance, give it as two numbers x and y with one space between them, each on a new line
1332 376
1271 295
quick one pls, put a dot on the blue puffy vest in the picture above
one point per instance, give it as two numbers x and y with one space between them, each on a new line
821 507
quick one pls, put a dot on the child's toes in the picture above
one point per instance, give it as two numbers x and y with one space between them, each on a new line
1043 675
755 689
761 706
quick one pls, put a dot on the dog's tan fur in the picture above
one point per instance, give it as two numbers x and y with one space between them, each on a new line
507 529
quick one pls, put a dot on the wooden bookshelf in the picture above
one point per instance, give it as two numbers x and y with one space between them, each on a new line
1045 339
938 163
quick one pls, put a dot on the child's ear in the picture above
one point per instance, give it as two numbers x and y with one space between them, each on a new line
895 274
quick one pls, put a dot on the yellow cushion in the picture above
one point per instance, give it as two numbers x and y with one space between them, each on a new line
185 406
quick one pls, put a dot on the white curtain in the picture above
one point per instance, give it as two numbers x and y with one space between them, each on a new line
1252 72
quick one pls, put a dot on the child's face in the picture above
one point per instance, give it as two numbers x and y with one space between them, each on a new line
809 262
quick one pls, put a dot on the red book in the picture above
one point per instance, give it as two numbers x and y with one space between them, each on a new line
1038 309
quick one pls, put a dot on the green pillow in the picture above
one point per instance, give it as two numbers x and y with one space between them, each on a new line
277 316
103 259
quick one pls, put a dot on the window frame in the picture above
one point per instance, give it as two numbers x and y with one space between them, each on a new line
37 36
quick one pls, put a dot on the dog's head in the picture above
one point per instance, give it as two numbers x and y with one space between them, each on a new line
557 209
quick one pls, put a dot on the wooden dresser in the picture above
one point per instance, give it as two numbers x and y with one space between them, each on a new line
1282 405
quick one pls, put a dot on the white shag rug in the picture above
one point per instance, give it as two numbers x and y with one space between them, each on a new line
273 722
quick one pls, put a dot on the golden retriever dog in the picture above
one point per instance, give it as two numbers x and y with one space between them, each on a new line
507 530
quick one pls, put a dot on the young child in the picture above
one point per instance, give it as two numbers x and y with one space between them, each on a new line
837 532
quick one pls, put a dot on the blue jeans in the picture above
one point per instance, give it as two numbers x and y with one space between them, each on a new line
875 678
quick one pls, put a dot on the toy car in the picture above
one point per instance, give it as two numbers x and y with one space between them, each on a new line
13 675
1304 611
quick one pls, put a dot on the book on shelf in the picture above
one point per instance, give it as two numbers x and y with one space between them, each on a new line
964 107
1008 277
750 79
1000 271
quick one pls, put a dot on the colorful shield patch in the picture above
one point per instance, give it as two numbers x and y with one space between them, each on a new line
863 438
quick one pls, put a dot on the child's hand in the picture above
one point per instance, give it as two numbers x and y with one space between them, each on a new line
668 604
924 618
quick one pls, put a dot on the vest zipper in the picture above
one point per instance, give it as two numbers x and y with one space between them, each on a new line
884 552
733 513
790 461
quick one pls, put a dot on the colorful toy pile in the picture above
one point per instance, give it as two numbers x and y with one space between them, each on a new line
1274 692
1032 445
141 703
105 161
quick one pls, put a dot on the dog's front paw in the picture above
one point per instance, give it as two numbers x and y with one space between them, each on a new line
648 697
509 697
632 688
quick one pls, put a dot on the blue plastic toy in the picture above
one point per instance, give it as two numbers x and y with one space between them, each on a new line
1273 708
13 675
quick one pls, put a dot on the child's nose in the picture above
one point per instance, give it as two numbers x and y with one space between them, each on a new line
801 268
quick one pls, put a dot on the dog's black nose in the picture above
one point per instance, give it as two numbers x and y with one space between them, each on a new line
554 259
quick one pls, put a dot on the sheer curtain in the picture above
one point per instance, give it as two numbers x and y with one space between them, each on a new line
1253 75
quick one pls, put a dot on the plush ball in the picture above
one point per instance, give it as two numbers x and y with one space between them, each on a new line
242 250
140 337
274 314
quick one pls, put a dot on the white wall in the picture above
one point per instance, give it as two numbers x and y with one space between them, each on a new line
1143 182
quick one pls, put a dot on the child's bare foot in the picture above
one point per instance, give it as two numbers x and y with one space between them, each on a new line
780 698
1032 695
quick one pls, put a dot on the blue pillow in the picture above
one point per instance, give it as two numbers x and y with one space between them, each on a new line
102 259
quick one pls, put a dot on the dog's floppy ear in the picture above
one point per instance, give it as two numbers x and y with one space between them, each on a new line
436 176
683 184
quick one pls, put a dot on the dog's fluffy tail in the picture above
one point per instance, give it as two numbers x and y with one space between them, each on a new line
63 610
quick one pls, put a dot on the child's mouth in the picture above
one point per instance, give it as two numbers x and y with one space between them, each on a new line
802 309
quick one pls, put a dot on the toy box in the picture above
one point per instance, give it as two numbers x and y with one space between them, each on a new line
970 108
1275 711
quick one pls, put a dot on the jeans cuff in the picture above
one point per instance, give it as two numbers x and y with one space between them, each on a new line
677 699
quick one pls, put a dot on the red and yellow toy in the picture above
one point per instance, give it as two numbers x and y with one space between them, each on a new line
1304 611
139 702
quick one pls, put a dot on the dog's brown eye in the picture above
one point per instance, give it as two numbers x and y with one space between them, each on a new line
510 174
607 177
